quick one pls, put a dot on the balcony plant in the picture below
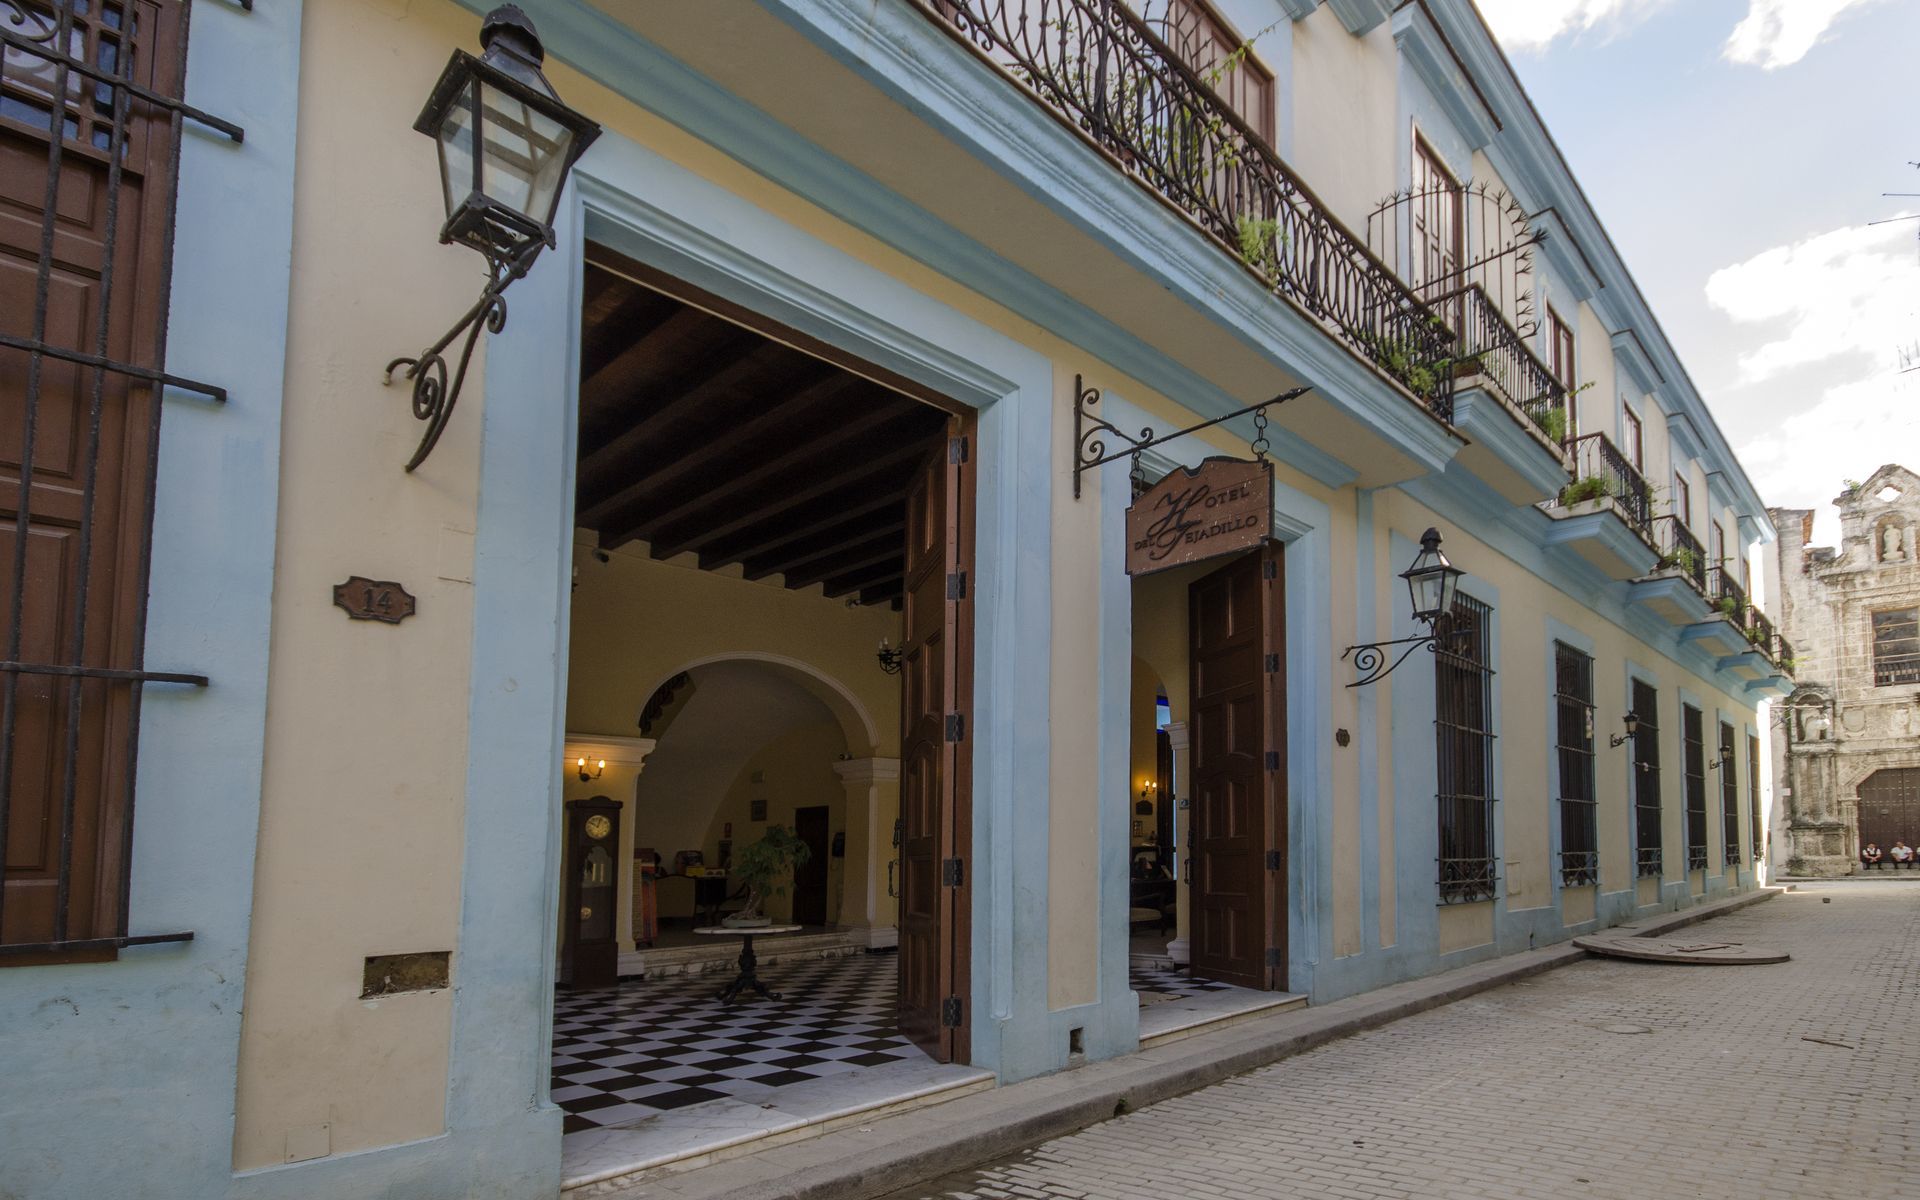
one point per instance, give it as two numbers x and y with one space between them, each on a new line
1682 559
1726 606
1587 487
765 867
1553 423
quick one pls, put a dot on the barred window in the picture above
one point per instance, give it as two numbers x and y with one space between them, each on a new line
1463 724
1646 781
1579 834
90 122
1694 762
1729 798
1753 797
1896 647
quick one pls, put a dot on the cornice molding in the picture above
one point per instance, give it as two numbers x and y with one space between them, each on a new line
1631 355
1299 10
1360 16
618 751
1427 52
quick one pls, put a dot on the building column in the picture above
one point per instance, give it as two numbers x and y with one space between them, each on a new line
625 757
873 805
1180 949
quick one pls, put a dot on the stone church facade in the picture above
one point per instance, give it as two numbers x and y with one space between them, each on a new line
1846 743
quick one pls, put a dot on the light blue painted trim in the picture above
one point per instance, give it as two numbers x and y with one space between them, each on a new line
1299 10
1570 268
747 255
1671 588
119 1076
1749 662
615 56
1367 598
1754 531
1680 429
1422 48
1486 420
1607 527
1713 632
1633 361
1774 687
896 49
1360 16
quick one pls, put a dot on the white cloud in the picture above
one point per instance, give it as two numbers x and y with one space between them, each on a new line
1532 24
1773 34
1779 33
1844 302
1853 290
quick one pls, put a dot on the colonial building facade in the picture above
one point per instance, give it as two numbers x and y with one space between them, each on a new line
1847 742
353 737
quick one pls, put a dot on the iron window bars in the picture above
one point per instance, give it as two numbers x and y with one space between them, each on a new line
1693 748
1896 647
95 86
1463 727
1579 805
1729 799
1753 797
1105 72
1646 781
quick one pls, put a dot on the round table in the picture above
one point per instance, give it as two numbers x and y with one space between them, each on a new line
747 977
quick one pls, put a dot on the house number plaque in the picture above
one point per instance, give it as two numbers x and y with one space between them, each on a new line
374 600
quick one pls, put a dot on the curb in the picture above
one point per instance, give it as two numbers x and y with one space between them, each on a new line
898 1152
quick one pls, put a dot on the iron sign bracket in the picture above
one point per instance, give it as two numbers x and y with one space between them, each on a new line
1090 431
1370 658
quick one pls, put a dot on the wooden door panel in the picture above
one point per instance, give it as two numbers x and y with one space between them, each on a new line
1890 807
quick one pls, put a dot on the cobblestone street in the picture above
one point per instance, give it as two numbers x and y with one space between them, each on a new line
1796 1080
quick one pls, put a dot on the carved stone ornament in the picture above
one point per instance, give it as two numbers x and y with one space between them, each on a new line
374 600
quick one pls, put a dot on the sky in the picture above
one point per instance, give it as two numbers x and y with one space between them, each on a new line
1737 151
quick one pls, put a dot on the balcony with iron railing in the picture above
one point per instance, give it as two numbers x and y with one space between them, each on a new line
1726 595
1491 349
1676 588
1107 72
1680 551
1606 513
1782 653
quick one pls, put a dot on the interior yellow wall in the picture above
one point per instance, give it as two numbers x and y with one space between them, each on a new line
1144 761
359 853
796 771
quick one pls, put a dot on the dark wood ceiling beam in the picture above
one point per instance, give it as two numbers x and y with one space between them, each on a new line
888 546
870 579
664 472
880 466
800 554
637 450
728 494
624 371
831 513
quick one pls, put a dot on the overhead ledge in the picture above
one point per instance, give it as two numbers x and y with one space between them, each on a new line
1425 49
1360 16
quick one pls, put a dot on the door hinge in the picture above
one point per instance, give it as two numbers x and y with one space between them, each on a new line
1273 760
956 585
956 450
956 727
953 872
1273 860
1273 664
1270 569
950 1012
1274 957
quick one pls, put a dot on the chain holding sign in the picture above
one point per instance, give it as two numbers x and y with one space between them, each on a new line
1090 432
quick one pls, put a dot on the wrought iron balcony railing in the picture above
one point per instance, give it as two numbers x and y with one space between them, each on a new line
1104 70
1726 595
1494 349
1782 652
1600 470
1680 550
1759 630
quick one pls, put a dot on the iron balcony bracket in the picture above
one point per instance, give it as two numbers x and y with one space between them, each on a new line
1090 431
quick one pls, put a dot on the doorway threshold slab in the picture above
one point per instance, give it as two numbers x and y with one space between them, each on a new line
1171 1020
602 1161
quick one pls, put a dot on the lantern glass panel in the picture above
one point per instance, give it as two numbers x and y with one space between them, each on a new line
456 150
1427 588
525 155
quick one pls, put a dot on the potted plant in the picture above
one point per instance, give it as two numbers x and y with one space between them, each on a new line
1587 487
765 868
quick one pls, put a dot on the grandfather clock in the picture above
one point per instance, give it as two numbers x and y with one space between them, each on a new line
590 957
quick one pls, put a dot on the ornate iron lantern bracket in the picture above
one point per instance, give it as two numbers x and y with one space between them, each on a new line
1370 658
1090 431
1431 583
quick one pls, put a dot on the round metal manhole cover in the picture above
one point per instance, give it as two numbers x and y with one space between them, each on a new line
1701 951
1626 1029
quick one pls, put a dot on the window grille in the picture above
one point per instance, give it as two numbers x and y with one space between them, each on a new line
1579 835
1729 799
1694 764
1753 798
90 130
1463 722
1896 647
1646 781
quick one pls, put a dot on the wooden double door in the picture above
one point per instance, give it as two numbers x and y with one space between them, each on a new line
936 751
1237 835
1890 807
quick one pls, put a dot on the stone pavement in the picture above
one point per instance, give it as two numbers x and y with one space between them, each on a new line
1523 1092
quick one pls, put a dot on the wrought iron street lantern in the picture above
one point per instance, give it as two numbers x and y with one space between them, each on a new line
1432 583
506 143
1632 723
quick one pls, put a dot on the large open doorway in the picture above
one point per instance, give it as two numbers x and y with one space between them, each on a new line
758 516
1210 760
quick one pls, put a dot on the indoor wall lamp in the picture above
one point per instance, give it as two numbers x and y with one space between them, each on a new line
889 658
587 774
1432 582
506 146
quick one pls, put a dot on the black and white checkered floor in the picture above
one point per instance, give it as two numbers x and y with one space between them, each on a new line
625 1054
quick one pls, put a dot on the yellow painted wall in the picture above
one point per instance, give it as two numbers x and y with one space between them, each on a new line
796 771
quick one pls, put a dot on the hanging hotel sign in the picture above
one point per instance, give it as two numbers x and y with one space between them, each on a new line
1222 506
